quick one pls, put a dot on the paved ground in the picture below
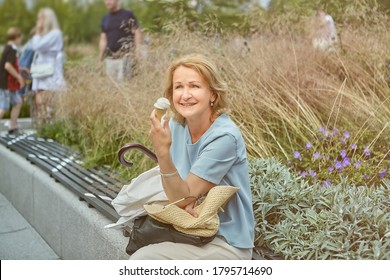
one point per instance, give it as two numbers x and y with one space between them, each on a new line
22 124
18 239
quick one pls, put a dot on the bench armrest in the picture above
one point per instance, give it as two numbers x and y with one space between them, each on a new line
134 146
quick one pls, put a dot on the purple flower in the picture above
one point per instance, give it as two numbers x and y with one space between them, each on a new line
309 145
338 164
367 150
347 135
327 183
297 155
330 168
346 162
353 146
335 131
312 173
366 176
343 153
304 174
343 140
317 155
382 173
357 164
326 133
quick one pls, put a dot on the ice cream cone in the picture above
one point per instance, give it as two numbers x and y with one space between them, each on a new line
160 113
161 106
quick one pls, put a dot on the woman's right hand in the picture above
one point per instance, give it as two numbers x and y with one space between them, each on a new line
160 136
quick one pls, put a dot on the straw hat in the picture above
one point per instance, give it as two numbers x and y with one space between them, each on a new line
206 224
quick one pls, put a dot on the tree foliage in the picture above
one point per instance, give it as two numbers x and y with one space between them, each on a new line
14 13
80 21
336 8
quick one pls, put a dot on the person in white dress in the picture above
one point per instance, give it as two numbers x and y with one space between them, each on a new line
323 34
48 45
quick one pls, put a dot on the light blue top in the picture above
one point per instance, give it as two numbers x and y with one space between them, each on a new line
48 50
219 157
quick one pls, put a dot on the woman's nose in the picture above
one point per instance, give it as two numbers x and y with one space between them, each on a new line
187 93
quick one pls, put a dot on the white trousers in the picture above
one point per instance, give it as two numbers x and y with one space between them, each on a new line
118 69
217 249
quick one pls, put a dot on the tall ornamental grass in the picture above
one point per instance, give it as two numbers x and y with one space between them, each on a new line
281 90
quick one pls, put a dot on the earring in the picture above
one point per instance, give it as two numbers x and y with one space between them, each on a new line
211 103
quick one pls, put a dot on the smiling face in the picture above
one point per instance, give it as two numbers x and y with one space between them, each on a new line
191 95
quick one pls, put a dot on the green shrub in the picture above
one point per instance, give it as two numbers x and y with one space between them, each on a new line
302 221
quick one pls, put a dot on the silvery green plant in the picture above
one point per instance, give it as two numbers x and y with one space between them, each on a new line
299 220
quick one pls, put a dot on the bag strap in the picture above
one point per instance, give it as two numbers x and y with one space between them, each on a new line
34 57
182 199
197 199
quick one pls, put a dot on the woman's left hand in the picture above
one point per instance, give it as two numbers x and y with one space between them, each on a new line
190 209
160 136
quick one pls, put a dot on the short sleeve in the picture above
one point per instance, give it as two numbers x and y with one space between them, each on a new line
134 20
10 56
216 159
103 24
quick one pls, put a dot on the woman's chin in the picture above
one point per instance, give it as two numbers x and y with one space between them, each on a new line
186 113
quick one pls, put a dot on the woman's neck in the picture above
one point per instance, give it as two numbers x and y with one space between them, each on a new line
198 127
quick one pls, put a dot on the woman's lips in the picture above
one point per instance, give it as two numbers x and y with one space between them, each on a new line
187 104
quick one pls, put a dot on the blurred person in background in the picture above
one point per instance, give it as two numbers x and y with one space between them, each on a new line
25 61
323 32
120 41
10 79
47 44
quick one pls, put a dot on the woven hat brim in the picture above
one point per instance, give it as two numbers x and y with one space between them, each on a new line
207 222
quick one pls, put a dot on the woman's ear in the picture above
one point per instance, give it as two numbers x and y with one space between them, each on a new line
213 97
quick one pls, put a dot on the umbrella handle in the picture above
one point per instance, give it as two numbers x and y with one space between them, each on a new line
134 146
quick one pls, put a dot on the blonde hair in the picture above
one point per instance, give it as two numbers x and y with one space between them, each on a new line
210 74
50 20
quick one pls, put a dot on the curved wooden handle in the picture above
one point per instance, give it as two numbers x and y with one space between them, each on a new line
134 146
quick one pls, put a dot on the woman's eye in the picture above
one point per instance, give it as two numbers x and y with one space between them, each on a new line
195 86
178 86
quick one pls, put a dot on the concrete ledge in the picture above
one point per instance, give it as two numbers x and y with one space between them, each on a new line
71 229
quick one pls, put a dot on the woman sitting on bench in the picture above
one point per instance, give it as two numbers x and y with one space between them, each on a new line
199 148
